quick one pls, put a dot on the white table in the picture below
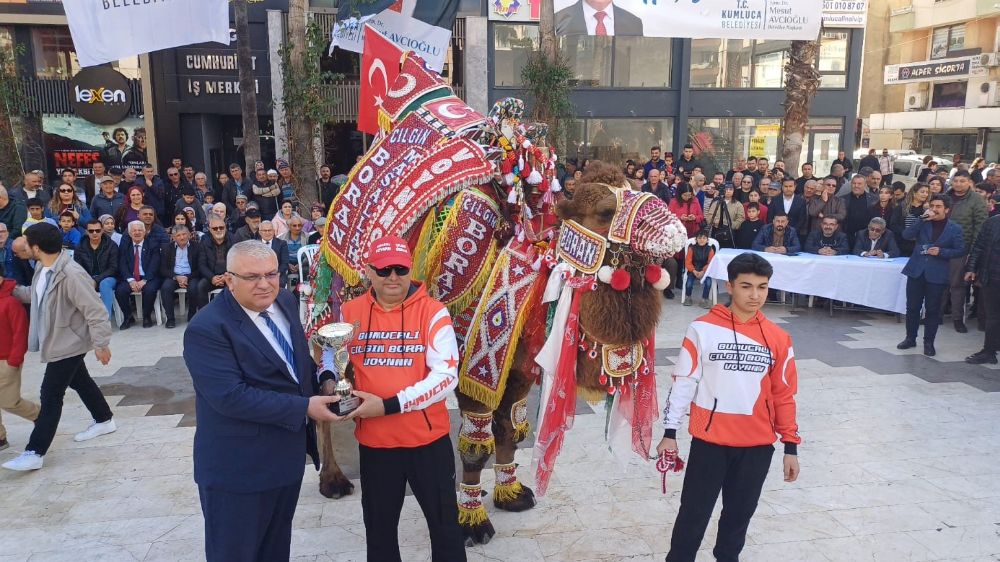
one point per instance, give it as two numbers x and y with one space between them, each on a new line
871 282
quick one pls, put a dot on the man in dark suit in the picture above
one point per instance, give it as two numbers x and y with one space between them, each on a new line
279 246
793 206
179 270
139 271
876 241
937 240
255 387
597 17
212 259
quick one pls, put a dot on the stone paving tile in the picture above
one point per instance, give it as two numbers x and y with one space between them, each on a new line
900 463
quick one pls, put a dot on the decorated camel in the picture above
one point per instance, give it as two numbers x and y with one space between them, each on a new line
570 305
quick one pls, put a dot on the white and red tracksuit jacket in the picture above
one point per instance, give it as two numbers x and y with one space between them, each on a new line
407 356
739 380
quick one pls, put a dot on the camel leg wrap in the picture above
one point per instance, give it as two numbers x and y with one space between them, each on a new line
507 488
519 420
475 440
471 511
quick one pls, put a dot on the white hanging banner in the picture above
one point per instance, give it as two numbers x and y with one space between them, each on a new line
398 25
696 19
108 30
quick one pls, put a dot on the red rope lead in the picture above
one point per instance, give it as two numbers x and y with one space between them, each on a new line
668 461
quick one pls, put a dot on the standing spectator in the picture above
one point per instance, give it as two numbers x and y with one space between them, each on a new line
30 188
156 235
828 240
876 241
255 398
286 181
138 272
792 205
12 213
977 169
178 269
687 163
280 248
751 227
36 213
238 185
969 212
809 193
266 193
153 191
929 170
127 179
936 185
201 188
740 167
251 230
983 269
188 174
687 209
725 216
173 188
731 446
24 263
807 175
71 323
328 189
826 204
67 199
874 181
937 241
745 188
839 174
654 162
857 204
13 345
403 423
870 161
69 178
189 198
107 201
898 193
909 212
92 183
844 162
655 185
7 256
696 260
295 238
129 211
884 206
212 259
98 256
885 167
238 219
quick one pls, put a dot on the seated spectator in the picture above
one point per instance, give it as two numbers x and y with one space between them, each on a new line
778 238
755 197
237 219
138 272
251 230
828 240
107 201
750 227
317 234
67 199
189 199
130 210
156 234
280 248
826 204
697 258
212 259
36 213
181 218
280 220
7 257
70 233
110 229
876 241
178 268
295 238
98 255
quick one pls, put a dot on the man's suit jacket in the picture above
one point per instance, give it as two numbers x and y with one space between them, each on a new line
149 256
253 433
570 21
886 243
798 213
168 259
933 268
280 248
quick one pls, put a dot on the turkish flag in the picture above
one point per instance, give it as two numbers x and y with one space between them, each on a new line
379 69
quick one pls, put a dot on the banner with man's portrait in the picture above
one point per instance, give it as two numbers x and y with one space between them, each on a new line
696 19
72 142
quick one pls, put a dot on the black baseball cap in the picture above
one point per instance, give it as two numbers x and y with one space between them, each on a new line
253 213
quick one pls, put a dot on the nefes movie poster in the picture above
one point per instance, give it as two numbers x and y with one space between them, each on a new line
72 142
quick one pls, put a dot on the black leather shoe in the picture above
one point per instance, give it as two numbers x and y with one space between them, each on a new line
929 350
147 323
982 358
127 323
960 327
170 324
669 294
906 344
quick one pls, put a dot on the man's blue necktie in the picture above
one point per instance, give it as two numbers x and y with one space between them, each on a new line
286 347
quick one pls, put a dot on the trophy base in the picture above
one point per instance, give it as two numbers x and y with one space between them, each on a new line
345 406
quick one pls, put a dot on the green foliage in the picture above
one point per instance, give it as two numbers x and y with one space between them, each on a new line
548 83
305 93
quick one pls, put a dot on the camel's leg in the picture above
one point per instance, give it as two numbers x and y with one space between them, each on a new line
332 482
510 427
475 446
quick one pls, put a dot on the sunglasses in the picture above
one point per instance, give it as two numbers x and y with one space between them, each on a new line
387 271
89 231
65 191
218 228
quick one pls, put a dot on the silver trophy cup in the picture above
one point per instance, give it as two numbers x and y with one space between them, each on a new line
336 337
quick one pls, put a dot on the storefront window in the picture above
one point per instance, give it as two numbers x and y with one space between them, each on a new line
589 59
769 63
719 142
642 62
55 56
512 44
833 59
617 140
949 94
721 63
945 41
718 63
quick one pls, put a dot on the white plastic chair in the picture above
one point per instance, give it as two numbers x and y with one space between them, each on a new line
305 257
157 307
684 276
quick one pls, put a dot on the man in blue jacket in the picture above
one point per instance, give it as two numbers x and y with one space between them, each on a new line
777 238
255 392
937 241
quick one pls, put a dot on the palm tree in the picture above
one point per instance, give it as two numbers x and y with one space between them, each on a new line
801 82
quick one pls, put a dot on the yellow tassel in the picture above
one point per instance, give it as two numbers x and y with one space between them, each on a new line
592 395
472 517
507 492
521 431
420 256
470 447
439 235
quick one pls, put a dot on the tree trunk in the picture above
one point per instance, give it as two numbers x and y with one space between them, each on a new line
801 83
548 51
301 139
11 170
248 88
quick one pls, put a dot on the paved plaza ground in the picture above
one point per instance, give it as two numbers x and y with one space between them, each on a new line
900 462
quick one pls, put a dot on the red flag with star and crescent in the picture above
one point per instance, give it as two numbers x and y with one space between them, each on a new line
379 70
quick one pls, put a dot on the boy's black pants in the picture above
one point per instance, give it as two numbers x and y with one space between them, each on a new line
739 473
430 472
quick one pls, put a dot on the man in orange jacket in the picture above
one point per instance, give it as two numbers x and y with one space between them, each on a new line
405 360
736 373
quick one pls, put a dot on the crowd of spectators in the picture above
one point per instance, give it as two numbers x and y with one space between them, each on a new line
138 234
